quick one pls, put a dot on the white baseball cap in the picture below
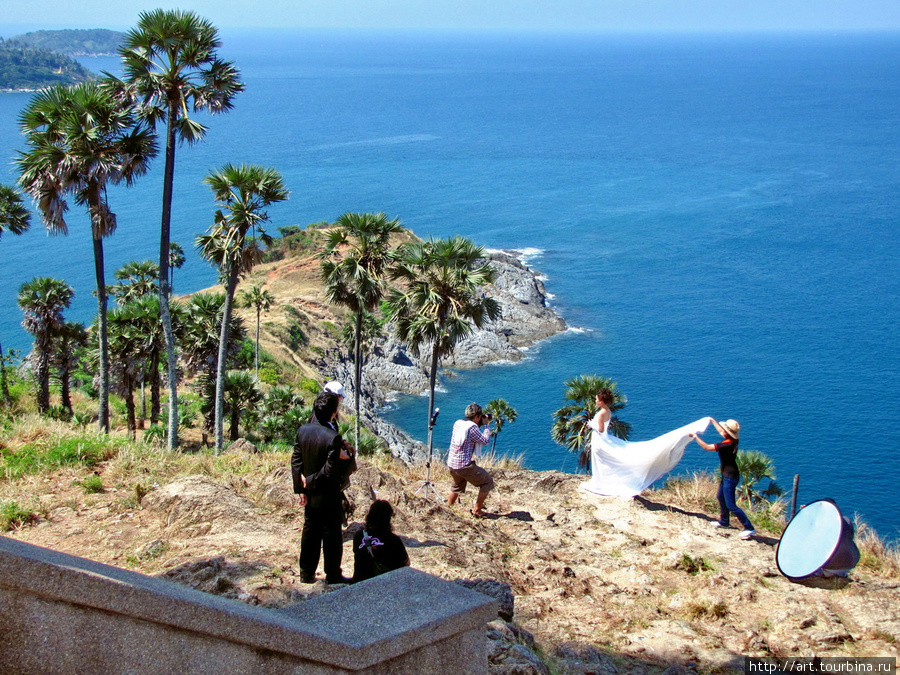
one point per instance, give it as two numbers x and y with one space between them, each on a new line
335 388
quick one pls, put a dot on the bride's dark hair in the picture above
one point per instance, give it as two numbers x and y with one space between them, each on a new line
606 395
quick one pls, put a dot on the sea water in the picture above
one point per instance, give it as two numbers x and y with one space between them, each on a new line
715 218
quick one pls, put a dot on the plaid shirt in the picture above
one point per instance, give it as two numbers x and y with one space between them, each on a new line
466 435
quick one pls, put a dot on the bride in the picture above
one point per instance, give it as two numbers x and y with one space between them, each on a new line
624 469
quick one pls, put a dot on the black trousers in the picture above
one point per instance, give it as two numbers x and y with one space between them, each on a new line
322 531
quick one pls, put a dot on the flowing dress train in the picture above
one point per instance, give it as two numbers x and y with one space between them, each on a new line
624 469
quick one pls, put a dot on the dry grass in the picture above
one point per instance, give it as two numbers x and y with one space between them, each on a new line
875 555
697 491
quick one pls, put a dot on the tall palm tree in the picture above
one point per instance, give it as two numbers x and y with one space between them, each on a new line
14 217
176 262
261 300
242 395
442 300
355 267
125 342
68 342
245 192
172 66
42 301
143 315
136 280
80 139
570 423
502 412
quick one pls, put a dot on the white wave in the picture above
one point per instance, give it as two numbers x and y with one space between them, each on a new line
579 331
524 255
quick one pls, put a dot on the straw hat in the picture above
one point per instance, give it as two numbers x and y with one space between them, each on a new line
732 428
335 388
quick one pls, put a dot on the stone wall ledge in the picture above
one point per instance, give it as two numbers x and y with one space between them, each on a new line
350 629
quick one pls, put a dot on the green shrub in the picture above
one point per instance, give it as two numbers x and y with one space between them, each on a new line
81 450
269 375
13 516
92 484
693 565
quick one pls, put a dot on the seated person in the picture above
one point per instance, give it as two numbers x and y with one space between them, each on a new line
376 549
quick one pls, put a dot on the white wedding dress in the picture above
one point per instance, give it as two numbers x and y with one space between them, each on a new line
624 469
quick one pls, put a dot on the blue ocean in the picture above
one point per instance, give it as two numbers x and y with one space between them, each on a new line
716 218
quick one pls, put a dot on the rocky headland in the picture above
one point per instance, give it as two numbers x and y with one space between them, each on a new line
390 367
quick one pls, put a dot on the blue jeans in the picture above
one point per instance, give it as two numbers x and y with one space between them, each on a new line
727 488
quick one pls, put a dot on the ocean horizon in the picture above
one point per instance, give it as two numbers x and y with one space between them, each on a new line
715 217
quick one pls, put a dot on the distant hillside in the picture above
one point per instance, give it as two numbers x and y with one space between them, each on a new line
93 42
23 67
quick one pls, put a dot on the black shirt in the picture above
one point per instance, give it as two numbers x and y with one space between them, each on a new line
387 550
727 450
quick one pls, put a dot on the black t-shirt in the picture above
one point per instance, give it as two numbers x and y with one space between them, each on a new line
387 549
727 450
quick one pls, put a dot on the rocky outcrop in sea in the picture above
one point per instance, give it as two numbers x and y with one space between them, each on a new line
391 368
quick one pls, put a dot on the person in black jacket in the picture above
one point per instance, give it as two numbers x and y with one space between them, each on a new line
320 467
376 549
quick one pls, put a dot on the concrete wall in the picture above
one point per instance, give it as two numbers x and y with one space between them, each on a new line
64 614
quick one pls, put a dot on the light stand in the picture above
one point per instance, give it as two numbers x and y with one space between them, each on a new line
428 485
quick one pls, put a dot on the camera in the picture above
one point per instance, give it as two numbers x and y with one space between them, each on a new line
485 417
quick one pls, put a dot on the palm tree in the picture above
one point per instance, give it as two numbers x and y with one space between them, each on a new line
172 66
261 300
125 342
143 315
242 394
14 216
245 192
136 280
282 412
355 266
442 299
80 139
42 301
176 262
68 341
570 423
502 412
755 466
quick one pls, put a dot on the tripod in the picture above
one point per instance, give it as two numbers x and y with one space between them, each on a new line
428 485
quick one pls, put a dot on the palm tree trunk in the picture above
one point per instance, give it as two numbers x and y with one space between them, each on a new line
154 387
235 422
164 237
223 350
128 381
103 337
5 398
256 356
432 381
43 370
357 374
64 388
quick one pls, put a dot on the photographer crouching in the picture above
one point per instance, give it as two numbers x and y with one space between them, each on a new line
467 434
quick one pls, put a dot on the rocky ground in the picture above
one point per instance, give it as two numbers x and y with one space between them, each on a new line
595 584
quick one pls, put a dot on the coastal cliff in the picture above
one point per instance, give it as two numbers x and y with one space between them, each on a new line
390 367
